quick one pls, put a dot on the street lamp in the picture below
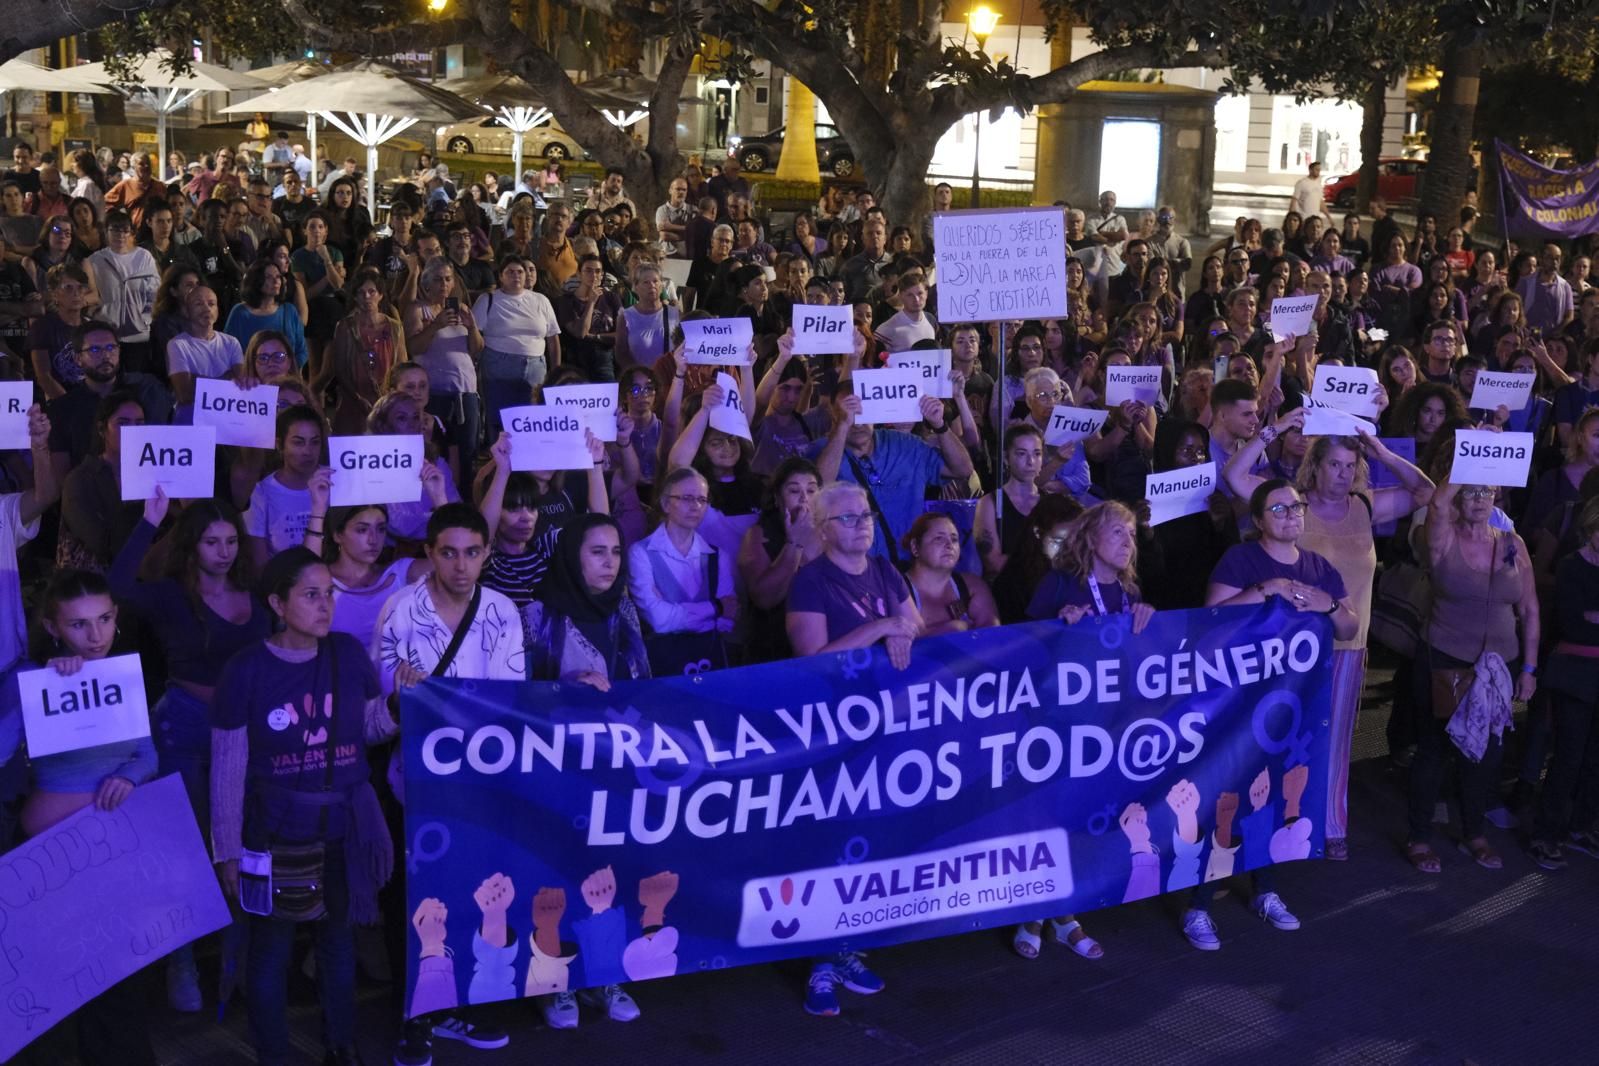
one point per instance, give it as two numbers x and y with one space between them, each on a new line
982 20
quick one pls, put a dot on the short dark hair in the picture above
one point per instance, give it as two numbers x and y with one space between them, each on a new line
1229 391
299 413
614 170
456 516
80 336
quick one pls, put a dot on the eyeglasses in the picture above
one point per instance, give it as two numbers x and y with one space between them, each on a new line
1481 492
642 390
62 230
692 501
1291 510
1196 453
851 519
1047 394
100 349
271 357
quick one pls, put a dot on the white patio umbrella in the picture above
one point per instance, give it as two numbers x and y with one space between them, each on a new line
169 91
23 75
375 102
516 103
277 76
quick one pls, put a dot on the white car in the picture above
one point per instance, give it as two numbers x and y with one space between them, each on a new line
488 136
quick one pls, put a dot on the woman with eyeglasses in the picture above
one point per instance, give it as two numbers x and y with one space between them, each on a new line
1027 353
58 247
261 307
682 583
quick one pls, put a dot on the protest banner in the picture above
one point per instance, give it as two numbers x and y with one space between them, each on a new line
181 459
1494 390
546 438
932 364
95 898
596 403
1324 420
1540 201
1292 316
1483 457
1140 383
718 341
1000 264
730 417
378 469
1068 425
15 399
241 418
794 808
889 396
820 330
1351 389
102 703
1179 492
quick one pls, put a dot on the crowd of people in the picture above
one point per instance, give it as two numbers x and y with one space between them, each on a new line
684 547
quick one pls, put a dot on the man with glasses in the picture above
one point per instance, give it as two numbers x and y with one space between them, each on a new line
293 206
1235 270
51 199
262 224
99 362
1440 345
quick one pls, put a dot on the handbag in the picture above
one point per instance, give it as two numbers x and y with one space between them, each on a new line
1399 607
296 872
1450 684
680 654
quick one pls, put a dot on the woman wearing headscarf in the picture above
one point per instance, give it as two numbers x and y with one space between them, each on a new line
582 626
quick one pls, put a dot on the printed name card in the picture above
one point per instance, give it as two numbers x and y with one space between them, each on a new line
889 397
1483 457
730 418
1348 388
1324 420
718 341
547 438
823 330
247 419
180 459
1494 390
595 403
933 364
103 703
1179 492
1000 264
15 399
380 469
1292 316
1140 383
1068 425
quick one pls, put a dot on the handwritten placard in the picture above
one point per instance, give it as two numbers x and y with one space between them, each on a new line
596 403
1494 390
730 417
823 330
718 341
377 469
1068 425
1000 264
1483 457
246 418
15 399
1348 388
103 703
546 438
1139 383
181 459
932 364
1179 492
1324 420
889 397
131 886
1292 316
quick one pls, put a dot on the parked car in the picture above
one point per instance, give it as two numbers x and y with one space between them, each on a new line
488 136
833 153
1397 179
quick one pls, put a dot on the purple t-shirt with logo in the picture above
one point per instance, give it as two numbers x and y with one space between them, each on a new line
1247 564
847 601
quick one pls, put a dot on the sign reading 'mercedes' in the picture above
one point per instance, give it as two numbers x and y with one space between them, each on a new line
1000 264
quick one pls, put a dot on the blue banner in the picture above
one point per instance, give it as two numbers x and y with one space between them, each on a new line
560 837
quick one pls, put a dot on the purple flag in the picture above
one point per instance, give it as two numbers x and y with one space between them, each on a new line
1536 201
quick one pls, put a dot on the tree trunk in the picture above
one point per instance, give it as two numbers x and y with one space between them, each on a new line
1374 112
898 173
1449 160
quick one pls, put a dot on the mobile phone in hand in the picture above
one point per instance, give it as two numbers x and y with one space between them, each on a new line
452 303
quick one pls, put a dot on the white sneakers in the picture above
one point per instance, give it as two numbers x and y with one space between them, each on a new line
1268 907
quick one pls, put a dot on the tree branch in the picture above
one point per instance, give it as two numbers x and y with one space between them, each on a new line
663 105
434 33
1058 84
36 23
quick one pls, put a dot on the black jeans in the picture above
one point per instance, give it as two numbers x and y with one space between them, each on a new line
1478 780
1262 881
1570 798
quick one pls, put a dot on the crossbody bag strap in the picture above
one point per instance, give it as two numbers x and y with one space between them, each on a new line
877 512
459 636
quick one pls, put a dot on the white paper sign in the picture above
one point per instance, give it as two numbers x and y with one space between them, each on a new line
15 399
676 271
546 438
1322 420
1348 388
1494 390
596 403
1000 264
718 341
823 330
1292 316
933 365
381 469
1486 458
730 418
181 459
1123 383
103 703
247 419
1067 425
1179 492
889 396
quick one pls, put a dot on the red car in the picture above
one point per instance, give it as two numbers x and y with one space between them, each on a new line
1397 180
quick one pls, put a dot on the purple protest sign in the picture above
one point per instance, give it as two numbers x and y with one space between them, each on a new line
1537 201
96 898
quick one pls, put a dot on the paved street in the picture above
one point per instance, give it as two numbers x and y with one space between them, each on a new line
1390 967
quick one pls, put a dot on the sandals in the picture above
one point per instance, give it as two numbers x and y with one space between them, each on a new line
1424 859
1081 942
1025 942
1338 849
1482 854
